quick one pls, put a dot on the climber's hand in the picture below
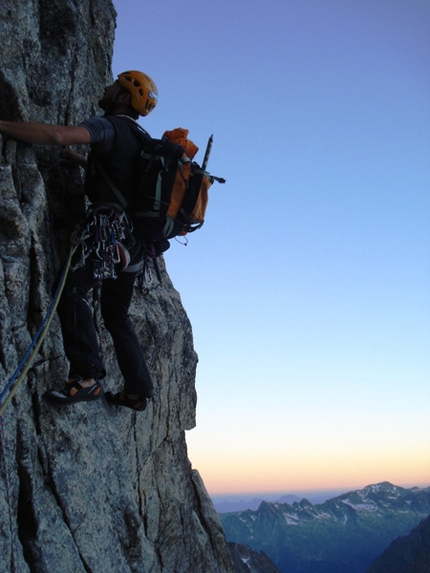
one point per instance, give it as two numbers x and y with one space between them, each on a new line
70 157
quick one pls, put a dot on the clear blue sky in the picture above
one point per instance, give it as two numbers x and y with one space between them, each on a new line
308 288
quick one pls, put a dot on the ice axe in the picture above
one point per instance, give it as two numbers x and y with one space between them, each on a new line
207 152
206 159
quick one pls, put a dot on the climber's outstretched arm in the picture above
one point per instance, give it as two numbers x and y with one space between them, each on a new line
46 134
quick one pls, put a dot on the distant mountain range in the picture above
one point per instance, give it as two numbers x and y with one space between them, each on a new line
229 505
226 506
342 535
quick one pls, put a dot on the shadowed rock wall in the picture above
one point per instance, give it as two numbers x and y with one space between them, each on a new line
88 488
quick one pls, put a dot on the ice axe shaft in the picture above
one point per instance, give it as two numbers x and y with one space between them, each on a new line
207 152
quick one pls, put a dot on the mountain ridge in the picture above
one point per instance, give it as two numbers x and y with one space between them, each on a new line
343 534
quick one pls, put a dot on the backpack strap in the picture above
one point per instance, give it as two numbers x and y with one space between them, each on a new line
122 200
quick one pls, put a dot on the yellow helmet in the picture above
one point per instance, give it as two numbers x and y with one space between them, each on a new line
143 91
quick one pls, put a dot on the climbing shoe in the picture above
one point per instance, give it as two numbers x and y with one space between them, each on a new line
74 392
121 399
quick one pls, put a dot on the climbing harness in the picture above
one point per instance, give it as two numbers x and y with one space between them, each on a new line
106 238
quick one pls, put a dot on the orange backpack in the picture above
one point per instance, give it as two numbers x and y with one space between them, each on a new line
171 193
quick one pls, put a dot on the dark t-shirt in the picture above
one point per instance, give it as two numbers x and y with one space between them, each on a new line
116 142
102 134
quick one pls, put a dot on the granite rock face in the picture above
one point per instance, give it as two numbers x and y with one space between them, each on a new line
87 488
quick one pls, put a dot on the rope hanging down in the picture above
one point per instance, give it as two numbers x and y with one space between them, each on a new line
25 364
13 385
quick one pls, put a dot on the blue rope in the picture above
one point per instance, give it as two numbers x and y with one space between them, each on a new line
18 376
27 354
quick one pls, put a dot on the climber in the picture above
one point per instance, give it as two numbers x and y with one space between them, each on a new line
114 147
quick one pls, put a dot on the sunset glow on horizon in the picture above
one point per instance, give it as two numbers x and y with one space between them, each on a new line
295 474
